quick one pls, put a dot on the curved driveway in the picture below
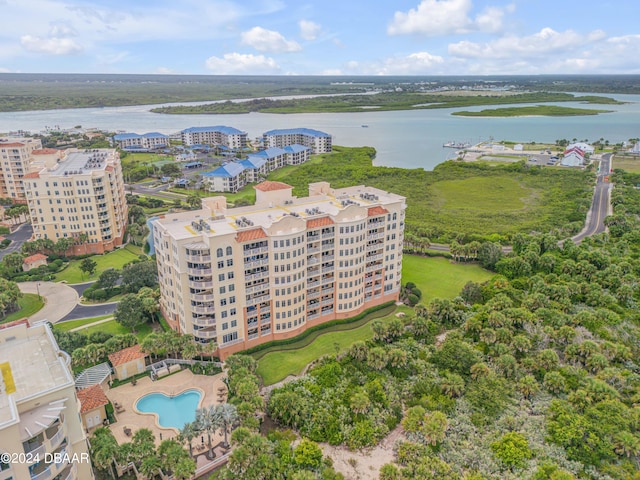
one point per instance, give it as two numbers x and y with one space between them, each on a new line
60 300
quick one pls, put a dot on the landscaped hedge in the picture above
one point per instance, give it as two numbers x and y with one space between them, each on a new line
306 333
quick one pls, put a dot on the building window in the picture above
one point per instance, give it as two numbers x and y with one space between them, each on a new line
219 253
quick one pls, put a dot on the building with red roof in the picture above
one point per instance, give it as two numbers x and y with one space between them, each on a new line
92 406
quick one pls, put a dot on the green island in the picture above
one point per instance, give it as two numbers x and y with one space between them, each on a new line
538 110
385 101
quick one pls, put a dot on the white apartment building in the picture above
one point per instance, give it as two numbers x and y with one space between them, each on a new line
135 142
317 141
41 418
227 137
248 275
15 159
80 193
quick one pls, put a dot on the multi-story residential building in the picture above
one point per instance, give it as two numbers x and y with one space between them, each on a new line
15 159
232 176
228 137
317 141
135 142
248 275
80 196
40 425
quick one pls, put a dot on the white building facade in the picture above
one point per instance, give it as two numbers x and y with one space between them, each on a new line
228 137
317 141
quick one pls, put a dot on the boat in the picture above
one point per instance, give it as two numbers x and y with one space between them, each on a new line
364 126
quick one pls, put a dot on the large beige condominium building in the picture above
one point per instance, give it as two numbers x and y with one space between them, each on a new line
40 429
80 193
248 275
15 158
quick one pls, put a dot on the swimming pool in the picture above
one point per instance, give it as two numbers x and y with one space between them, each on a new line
173 412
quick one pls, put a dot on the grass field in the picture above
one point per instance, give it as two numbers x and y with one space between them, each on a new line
116 259
538 110
71 324
439 277
277 365
628 163
29 304
115 328
481 193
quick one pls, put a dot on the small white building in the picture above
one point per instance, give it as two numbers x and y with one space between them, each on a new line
518 147
573 157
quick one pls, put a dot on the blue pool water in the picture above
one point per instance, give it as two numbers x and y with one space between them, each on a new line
172 411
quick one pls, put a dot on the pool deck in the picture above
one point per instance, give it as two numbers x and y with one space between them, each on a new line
127 395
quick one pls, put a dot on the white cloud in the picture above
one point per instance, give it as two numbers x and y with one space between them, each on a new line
418 63
309 30
165 71
444 17
4 70
265 40
539 44
53 46
239 63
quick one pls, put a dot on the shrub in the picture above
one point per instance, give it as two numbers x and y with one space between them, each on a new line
413 299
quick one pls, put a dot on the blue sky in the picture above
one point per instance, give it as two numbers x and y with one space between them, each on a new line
337 37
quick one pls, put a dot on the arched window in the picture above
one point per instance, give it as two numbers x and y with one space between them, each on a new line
229 251
219 252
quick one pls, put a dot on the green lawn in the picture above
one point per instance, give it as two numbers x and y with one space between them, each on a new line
29 304
481 194
628 163
115 328
439 277
288 360
71 324
115 259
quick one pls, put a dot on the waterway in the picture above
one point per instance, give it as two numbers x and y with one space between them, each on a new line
407 138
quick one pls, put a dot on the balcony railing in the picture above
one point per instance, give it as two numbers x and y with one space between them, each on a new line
201 297
255 300
313 316
199 271
256 276
313 283
46 473
199 258
205 333
206 309
57 439
203 322
200 284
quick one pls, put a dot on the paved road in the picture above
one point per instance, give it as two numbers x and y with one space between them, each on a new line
60 300
86 311
600 204
21 235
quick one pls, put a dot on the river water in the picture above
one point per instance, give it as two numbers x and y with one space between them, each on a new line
407 139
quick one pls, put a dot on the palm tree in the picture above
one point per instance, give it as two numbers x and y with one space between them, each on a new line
360 402
225 415
188 432
104 448
205 421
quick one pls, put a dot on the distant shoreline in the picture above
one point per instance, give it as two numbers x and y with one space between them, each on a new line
537 111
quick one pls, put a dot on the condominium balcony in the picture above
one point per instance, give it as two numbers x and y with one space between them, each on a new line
257 288
199 271
256 263
203 309
255 251
313 316
327 258
326 311
311 251
328 269
259 299
326 280
312 272
313 283
375 236
204 322
201 297
327 290
374 267
313 295
208 333
256 276
374 257
328 235
329 301
198 258
200 283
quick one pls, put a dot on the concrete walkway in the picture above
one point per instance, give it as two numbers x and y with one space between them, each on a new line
59 300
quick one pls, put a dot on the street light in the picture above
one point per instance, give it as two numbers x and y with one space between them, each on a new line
38 290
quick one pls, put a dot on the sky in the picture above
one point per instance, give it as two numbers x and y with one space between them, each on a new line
328 37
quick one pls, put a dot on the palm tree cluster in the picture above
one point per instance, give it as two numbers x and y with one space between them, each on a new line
209 420
169 458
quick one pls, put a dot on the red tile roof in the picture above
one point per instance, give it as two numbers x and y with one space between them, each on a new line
269 186
378 210
249 235
319 222
91 398
126 355
35 258
32 175
11 144
24 321
44 151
